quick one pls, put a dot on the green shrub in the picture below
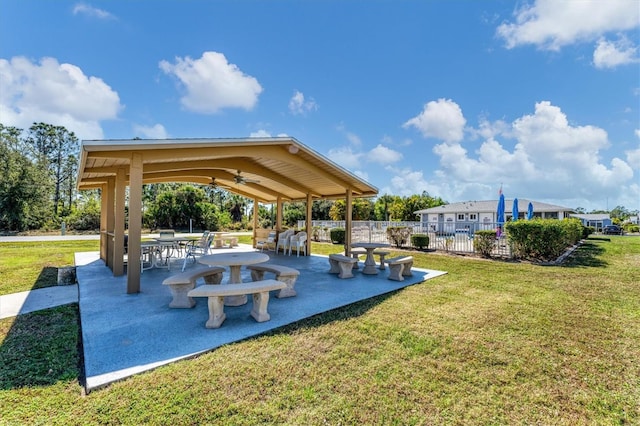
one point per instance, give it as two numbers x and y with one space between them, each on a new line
543 239
85 217
587 230
573 230
398 235
337 235
420 240
484 241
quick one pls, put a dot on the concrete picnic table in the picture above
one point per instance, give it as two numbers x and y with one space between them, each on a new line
234 261
369 262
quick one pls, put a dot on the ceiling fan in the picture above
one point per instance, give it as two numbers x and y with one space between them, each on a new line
241 180
213 184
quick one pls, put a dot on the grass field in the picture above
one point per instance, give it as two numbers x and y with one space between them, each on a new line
32 265
489 343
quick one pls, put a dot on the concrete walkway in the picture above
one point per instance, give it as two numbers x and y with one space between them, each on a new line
35 300
24 239
24 302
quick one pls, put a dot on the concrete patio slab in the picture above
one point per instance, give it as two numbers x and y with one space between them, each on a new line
125 334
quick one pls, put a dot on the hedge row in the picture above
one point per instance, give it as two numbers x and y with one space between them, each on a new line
543 239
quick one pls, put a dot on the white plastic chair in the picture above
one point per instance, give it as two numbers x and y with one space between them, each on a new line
269 242
299 241
197 247
283 240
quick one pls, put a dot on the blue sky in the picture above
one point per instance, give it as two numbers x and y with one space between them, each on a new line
455 98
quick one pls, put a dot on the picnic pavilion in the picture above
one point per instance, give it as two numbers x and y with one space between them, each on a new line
266 170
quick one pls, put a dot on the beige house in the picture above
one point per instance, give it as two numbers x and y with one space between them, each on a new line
475 215
266 170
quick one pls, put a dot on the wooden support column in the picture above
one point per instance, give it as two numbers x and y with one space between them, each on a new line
118 231
108 202
256 211
135 223
104 238
279 209
348 216
309 223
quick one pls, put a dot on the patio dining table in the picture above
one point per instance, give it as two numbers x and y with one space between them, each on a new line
178 242
234 261
369 262
159 254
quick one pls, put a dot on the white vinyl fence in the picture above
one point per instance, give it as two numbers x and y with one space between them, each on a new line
453 238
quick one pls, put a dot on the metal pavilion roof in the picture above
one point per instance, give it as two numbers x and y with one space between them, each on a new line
270 168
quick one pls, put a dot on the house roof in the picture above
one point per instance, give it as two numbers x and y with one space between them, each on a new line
270 168
592 216
487 206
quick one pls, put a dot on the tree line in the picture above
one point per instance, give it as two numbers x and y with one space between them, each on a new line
38 191
39 169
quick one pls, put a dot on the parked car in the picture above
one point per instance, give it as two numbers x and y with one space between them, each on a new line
612 230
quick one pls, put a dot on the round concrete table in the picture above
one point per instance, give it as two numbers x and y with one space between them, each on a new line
234 261
369 262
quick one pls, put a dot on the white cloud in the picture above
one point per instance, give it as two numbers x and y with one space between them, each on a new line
54 93
612 54
94 12
552 24
260 134
346 157
353 138
408 182
298 105
156 131
488 129
539 156
383 155
633 158
361 174
441 119
212 84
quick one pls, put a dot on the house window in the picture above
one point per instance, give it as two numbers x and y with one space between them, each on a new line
473 216
460 216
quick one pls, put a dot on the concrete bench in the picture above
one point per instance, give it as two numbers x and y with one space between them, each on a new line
342 265
400 267
180 284
216 293
382 255
283 273
355 253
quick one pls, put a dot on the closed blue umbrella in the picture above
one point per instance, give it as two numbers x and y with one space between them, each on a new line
514 210
500 214
530 212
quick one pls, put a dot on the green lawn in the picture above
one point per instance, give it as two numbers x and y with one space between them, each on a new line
31 265
488 343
